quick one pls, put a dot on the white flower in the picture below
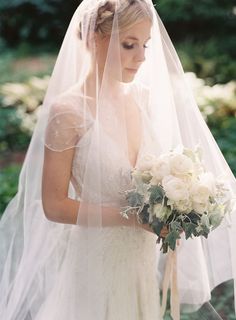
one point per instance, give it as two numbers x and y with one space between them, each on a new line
200 207
140 177
146 162
161 212
175 188
181 164
208 179
199 192
184 206
160 169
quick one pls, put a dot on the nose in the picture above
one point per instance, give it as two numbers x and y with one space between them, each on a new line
140 56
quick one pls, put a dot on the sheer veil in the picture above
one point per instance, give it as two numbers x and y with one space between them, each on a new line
39 258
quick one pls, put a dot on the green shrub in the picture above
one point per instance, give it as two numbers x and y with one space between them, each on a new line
8 184
224 131
211 60
18 112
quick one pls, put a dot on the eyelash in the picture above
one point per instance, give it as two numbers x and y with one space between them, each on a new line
130 46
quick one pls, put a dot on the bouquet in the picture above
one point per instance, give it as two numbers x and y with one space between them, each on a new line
175 191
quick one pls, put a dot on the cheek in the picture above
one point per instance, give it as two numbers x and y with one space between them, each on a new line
125 57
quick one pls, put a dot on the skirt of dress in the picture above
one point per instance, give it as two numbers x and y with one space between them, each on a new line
127 289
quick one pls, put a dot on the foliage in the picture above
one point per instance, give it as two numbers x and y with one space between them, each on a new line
46 20
200 20
224 131
12 137
211 60
18 111
205 35
218 106
8 182
20 64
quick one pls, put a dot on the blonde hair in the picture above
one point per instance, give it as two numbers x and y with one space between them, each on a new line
128 13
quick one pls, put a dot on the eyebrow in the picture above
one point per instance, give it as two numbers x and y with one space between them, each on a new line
134 38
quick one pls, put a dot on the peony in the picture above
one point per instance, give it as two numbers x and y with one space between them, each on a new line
181 165
200 192
175 188
160 169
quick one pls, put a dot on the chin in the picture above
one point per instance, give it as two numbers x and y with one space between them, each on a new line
127 79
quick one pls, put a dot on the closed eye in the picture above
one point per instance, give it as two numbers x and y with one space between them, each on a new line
128 46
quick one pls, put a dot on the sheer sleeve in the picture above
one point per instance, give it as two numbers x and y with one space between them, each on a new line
67 123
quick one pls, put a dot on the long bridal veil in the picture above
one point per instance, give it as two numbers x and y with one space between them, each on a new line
39 259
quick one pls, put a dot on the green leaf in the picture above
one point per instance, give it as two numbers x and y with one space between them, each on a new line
189 229
144 214
203 231
175 225
135 199
171 239
157 194
157 226
193 216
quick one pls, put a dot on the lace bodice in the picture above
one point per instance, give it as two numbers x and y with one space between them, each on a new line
115 170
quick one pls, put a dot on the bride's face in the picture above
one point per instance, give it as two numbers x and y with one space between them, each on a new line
131 52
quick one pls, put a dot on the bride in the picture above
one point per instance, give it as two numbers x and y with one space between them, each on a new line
117 93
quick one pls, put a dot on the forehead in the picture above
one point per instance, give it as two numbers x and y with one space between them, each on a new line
138 32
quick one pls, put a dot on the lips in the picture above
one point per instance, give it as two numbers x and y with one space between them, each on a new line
132 70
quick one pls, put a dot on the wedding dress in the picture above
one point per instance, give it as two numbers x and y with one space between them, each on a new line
129 256
53 271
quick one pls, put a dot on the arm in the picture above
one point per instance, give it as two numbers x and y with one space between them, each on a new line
58 207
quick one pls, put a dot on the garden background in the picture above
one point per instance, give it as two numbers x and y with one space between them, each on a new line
31 31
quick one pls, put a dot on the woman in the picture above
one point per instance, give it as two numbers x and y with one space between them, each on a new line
116 94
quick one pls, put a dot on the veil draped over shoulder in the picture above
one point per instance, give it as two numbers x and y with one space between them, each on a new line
39 258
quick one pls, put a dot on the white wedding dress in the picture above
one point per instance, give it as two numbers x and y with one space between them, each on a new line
129 255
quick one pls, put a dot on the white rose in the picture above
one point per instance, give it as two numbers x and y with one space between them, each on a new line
160 169
209 181
175 188
199 192
184 206
200 207
146 162
181 164
161 212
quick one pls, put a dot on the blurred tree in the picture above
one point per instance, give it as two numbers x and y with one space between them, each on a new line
204 32
203 19
35 21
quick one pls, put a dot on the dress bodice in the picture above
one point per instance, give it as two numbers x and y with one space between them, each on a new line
115 170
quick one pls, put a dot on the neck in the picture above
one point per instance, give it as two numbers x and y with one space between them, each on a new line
95 80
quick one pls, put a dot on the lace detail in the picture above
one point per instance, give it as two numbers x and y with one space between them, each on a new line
128 255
